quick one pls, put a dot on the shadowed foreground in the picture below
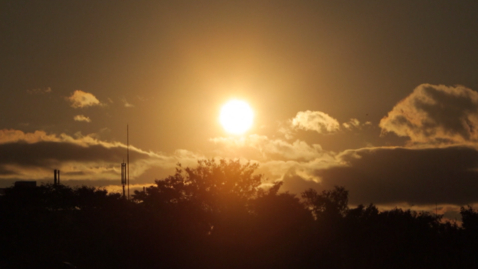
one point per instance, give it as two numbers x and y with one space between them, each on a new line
216 216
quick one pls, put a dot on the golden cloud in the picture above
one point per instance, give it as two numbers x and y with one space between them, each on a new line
80 99
315 121
435 114
82 118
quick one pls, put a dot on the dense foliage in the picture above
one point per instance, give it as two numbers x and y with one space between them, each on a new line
217 216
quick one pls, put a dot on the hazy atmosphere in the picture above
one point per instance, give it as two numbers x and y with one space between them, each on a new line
377 96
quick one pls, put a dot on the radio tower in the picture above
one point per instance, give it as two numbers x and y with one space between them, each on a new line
123 177
127 155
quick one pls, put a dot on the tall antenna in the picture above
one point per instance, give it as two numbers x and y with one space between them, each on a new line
127 154
123 177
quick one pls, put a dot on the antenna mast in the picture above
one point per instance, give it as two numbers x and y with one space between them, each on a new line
123 177
127 155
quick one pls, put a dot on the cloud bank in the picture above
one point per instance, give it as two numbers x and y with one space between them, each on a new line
396 175
33 156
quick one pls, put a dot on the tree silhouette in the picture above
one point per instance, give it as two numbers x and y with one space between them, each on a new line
328 204
281 225
207 204
218 215
469 218
209 182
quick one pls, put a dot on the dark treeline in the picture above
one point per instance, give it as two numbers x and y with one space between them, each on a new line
217 216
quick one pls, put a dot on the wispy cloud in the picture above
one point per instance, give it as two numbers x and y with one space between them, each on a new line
126 103
82 118
352 123
40 90
81 99
263 148
141 98
12 136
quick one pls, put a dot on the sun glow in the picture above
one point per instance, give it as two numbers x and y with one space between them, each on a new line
236 117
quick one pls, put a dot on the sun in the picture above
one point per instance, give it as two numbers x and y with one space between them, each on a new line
236 116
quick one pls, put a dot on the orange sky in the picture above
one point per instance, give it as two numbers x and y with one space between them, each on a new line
337 88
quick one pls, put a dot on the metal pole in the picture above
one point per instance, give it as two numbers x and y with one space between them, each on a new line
127 154
123 177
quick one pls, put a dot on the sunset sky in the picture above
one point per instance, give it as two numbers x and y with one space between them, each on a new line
377 96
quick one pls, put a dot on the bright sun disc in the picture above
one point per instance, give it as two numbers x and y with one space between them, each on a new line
236 117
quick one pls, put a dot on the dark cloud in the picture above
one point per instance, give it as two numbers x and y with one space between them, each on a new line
33 156
36 161
50 153
415 176
84 182
72 183
6 172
